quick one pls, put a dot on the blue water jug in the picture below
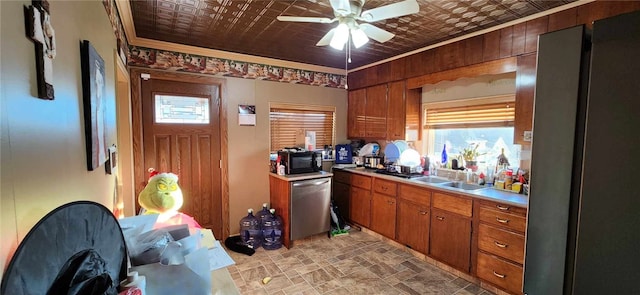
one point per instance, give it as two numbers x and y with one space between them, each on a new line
263 214
250 232
272 231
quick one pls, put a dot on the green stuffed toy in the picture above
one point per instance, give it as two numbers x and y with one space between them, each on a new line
162 193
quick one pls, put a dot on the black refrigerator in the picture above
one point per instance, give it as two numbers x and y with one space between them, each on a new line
583 228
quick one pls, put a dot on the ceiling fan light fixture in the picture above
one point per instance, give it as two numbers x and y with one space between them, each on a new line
359 37
340 37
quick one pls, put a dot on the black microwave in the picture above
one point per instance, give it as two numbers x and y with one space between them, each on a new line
300 162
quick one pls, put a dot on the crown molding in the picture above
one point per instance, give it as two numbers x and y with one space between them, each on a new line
124 8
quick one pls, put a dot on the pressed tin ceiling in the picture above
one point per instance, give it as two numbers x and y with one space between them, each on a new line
251 27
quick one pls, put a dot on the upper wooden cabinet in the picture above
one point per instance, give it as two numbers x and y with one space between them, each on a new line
356 113
396 111
525 86
382 112
376 112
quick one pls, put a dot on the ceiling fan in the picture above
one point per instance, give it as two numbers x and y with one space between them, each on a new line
347 12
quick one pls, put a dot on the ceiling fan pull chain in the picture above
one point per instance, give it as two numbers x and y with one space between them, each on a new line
346 65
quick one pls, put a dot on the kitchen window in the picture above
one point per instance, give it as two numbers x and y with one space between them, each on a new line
487 122
289 123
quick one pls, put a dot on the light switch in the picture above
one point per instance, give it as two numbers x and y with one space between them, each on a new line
528 135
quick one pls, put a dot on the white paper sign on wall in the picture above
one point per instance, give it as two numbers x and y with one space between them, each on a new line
247 115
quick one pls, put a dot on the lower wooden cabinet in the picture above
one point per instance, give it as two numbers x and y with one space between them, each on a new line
341 198
451 239
500 272
383 215
480 237
360 206
413 226
501 244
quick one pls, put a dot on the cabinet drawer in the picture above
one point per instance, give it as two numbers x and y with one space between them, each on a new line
499 272
415 194
361 181
453 204
501 242
342 177
385 187
503 219
504 208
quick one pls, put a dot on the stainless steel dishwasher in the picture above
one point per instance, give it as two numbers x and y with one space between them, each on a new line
310 200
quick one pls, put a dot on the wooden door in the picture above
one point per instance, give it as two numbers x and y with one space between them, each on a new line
383 215
396 111
181 134
413 226
360 206
356 113
451 239
376 112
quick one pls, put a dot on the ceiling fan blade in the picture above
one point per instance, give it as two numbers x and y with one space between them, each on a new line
327 38
305 19
390 11
376 33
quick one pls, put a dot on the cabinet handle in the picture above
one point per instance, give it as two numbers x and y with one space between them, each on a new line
390 202
384 188
501 245
503 208
498 219
440 218
498 275
423 212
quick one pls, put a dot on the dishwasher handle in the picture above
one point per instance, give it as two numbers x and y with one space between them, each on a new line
310 182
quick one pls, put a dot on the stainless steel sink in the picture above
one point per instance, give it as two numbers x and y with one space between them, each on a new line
463 185
431 179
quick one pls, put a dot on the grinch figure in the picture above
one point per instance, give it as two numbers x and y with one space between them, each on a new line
163 196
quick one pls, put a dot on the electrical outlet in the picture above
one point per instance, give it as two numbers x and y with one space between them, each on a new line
528 135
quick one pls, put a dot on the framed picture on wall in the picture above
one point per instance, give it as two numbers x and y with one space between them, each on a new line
94 103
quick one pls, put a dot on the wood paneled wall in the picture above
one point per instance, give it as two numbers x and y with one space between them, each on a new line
510 41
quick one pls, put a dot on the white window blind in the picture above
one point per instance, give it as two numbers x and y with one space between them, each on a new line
288 120
481 115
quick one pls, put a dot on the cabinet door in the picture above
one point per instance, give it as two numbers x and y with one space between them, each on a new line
356 113
376 111
451 239
383 215
524 97
360 206
341 198
396 111
413 226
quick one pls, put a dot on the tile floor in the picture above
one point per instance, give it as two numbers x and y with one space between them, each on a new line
358 263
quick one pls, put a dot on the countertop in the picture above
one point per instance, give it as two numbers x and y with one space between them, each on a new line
302 176
488 193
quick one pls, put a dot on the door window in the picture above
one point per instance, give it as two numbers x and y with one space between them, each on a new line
181 109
